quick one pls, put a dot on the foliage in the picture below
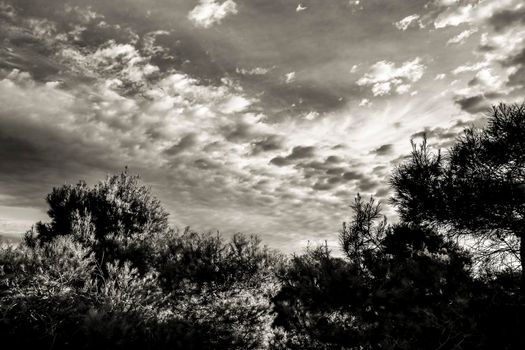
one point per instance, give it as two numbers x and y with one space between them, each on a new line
224 287
407 288
108 272
206 260
477 189
118 218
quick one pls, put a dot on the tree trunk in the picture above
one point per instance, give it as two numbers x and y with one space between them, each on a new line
522 261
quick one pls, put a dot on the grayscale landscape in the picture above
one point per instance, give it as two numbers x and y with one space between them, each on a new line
262 174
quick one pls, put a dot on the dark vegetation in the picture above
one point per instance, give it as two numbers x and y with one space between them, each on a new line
108 272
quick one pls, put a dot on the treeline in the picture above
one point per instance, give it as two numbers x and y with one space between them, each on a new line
108 272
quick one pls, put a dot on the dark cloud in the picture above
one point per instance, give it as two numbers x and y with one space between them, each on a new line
353 175
186 142
472 104
266 144
33 160
517 59
280 161
367 185
298 152
506 18
301 152
384 150
323 186
518 77
241 131
333 159
328 183
335 171
380 170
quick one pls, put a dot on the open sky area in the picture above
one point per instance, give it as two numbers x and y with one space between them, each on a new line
255 116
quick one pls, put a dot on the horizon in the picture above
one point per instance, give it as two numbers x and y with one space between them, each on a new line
263 117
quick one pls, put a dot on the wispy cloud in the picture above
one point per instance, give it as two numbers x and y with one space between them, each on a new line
407 22
462 37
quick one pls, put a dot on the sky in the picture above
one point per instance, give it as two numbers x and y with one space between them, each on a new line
254 116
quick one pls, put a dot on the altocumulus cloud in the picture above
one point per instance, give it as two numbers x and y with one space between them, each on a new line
210 12
208 118
385 77
90 107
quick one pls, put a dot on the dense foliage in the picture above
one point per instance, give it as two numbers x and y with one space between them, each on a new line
108 271
477 188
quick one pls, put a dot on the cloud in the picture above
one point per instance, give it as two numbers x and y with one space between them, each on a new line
300 8
383 150
298 152
123 58
461 37
454 17
253 71
445 2
210 12
201 113
473 12
472 104
470 67
289 77
384 76
266 144
333 159
185 143
83 14
365 102
368 185
506 18
407 22
486 77
353 175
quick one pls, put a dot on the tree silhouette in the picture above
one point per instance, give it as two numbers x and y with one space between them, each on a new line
478 188
397 287
118 218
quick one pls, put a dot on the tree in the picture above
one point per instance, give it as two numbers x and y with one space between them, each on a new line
478 188
108 272
118 218
397 287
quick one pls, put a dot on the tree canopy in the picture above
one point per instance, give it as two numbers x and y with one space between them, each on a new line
477 188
